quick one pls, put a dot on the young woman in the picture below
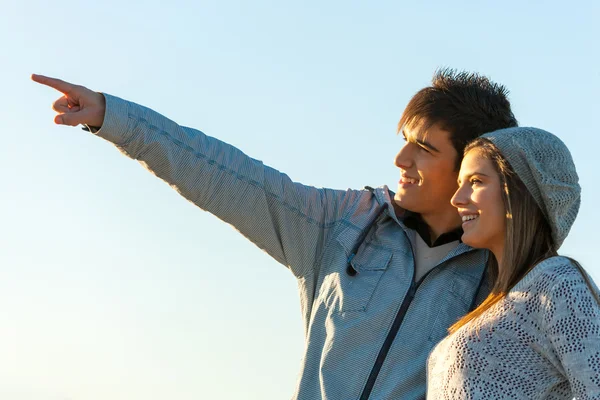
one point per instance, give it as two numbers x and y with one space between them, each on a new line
537 335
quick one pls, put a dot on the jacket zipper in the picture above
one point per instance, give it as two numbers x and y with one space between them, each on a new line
387 344
412 290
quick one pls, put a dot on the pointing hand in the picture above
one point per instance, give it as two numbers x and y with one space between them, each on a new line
78 105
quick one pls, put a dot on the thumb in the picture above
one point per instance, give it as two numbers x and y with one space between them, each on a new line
73 118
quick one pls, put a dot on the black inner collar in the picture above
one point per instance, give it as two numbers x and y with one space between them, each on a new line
415 221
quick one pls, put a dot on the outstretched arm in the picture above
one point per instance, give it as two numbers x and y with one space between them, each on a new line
290 221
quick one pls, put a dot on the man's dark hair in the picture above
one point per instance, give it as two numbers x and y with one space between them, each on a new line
465 104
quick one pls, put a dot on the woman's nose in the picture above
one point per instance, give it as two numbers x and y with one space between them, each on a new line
460 198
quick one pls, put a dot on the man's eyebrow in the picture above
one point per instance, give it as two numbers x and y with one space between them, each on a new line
422 143
426 144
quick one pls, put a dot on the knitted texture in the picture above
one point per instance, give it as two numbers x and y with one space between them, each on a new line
544 164
542 341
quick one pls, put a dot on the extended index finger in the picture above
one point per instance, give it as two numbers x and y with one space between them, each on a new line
60 85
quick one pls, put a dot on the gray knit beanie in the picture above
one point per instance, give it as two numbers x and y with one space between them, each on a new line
544 164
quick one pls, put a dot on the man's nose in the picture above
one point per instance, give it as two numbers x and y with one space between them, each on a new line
403 159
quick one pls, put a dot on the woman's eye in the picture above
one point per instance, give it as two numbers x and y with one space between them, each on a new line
475 181
424 149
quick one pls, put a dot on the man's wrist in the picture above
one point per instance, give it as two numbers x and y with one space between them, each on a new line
92 129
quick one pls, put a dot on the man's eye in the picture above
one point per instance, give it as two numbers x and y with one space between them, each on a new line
424 149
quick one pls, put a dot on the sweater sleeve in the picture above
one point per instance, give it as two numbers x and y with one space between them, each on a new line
290 221
571 315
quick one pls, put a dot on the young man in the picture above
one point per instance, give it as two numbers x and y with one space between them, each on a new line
381 275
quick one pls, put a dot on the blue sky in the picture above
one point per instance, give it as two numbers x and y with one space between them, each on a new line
112 286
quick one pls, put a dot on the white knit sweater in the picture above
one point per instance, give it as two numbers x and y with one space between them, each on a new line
541 342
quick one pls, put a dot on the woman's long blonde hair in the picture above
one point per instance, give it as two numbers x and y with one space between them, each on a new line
527 237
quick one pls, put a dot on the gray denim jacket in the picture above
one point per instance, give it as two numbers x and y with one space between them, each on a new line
368 327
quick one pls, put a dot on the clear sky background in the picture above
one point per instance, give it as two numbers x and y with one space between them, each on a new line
114 287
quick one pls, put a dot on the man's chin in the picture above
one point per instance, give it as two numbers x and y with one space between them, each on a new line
405 202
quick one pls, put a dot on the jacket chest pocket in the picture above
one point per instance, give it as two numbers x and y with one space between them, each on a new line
352 287
455 306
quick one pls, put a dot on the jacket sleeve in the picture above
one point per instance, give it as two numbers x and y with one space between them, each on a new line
572 321
290 221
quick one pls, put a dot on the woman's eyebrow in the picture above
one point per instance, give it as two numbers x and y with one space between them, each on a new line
470 175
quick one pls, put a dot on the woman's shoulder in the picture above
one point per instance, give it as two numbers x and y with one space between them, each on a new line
557 268
551 272
557 276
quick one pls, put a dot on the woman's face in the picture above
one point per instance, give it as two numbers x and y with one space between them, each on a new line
479 203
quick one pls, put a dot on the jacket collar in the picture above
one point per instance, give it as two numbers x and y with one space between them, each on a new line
385 196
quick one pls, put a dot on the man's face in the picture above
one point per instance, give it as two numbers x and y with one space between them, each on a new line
428 174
